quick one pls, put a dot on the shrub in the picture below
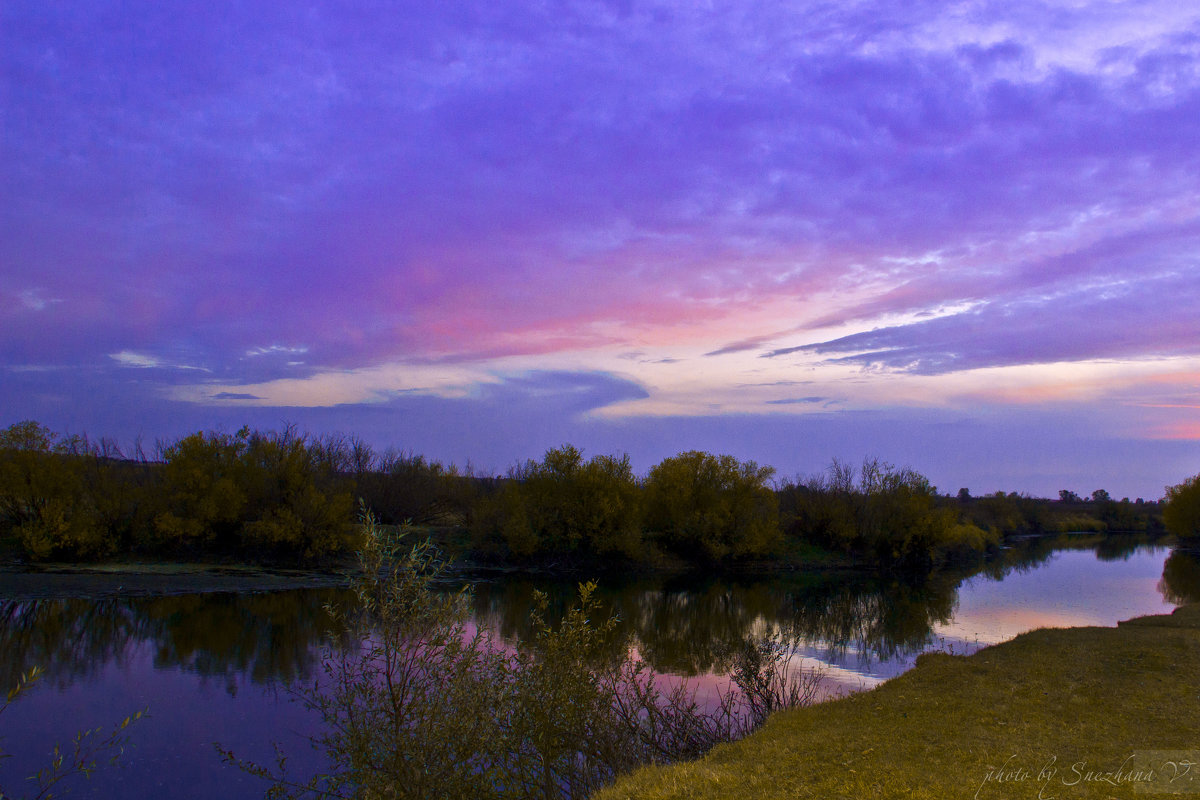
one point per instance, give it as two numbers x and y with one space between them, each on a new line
1182 513
563 504
714 507
265 493
44 497
887 515
429 707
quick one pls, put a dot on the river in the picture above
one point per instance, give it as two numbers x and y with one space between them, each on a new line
215 667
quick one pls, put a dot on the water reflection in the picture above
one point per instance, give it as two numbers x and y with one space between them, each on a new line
184 656
1180 582
260 637
680 626
689 627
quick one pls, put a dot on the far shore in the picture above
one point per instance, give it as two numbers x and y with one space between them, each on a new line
134 578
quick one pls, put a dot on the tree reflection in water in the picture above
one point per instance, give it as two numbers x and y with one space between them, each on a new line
682 626
1180 582
262 637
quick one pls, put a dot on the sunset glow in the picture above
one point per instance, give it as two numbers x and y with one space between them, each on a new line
964 237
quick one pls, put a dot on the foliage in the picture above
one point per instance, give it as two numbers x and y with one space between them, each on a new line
1012 513
1182 512
398 486
54 495
203 489
269 493
889 516
714 507
430 707
283 495
564 504
80 758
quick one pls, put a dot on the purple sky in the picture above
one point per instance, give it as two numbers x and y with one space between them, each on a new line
959 236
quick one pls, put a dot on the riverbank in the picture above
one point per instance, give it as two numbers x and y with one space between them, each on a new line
139 579
1053 713
21 579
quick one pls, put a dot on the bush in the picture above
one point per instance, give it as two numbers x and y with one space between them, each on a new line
403 487
45 499
889 516
713 507
261 493
564 505
429 707
202 490
1182 513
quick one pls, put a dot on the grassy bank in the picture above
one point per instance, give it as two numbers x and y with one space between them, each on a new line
1054 713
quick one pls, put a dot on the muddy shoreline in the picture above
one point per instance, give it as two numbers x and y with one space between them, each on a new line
134 579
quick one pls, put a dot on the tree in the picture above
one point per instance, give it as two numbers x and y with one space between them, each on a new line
563 504
1182 512
891 516
43 496
203 490
1067 496
262 492
712 506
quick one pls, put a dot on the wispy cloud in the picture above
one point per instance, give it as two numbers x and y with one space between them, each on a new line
275 349
35 299
127 358
894 203
788 401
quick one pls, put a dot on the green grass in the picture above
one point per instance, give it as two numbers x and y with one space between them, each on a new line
1075 700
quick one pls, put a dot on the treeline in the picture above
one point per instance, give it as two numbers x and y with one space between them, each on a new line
884 515
694 505
285 495
1019 514
275 494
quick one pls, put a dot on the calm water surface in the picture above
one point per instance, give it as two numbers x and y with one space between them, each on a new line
214 667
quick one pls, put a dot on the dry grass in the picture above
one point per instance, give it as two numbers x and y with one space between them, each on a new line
1040 712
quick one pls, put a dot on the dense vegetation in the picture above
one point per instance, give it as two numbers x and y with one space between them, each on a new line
432 706
1182 513
886 515
253 495
247 493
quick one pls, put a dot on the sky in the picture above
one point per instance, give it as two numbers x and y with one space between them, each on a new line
962 237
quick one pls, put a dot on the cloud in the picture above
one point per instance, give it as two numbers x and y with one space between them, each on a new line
423 213
34 300
753 343
796 400
1121 320
129 359
453 199
275 349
